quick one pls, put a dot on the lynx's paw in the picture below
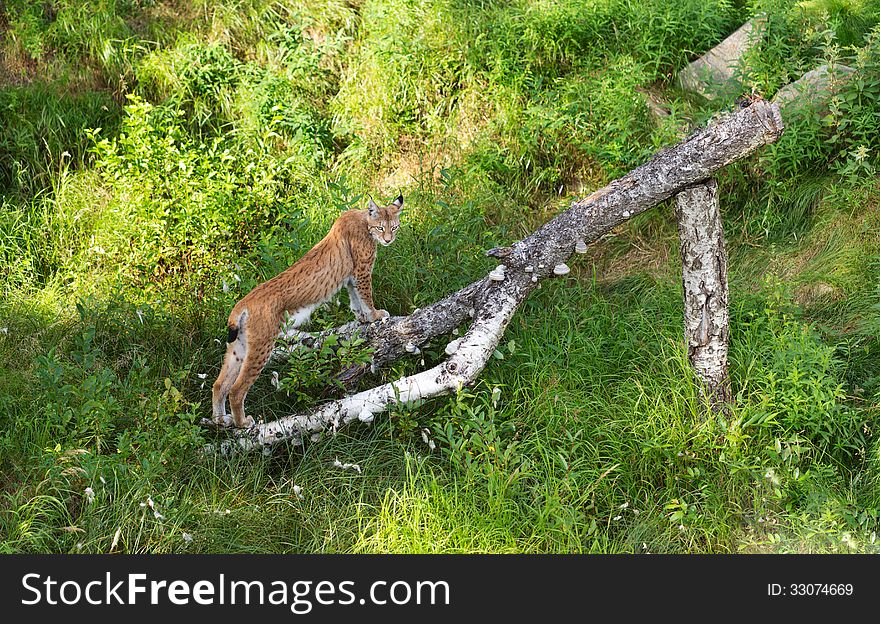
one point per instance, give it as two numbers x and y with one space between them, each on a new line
246 423
223 421
379 315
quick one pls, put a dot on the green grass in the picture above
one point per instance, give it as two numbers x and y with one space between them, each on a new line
159 159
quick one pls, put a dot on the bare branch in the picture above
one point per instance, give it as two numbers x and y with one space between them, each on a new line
470 357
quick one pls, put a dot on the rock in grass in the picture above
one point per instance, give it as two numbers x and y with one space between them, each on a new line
815 88
713 73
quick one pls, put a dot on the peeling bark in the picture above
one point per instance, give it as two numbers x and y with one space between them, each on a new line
704 280
492 302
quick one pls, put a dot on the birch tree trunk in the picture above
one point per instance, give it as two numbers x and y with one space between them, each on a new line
704 279
491 301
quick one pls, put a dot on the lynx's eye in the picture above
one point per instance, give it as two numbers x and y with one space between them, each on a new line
394 228
380 228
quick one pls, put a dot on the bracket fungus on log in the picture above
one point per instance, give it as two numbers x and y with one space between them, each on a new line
452 347
561 269
672 170
497 274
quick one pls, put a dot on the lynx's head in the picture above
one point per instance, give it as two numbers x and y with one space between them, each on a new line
384 222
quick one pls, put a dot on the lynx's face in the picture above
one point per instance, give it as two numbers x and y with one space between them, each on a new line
384 222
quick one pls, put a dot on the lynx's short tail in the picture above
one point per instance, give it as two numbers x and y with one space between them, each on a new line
233 327
231 334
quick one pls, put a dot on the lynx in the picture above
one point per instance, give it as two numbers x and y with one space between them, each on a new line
344 257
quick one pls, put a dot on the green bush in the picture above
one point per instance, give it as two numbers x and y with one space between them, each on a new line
199 207
104 409
193 77
794 384
316 372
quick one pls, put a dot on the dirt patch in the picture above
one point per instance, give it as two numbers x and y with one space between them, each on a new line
416 162
19 69
16 67
808 294
643 255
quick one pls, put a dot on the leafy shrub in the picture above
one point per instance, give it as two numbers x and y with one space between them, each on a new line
857 113
278 110
197 207
781 189
90 404
842 137
315 372
197 78
794 386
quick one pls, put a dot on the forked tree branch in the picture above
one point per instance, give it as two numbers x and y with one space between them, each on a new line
492 300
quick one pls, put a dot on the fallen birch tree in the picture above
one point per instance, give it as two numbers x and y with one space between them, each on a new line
490 302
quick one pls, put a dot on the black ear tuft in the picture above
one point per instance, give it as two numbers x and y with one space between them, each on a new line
373 208
399 201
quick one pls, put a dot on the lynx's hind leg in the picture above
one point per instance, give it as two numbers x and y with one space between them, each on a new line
236 349
259 348
262 330
228 374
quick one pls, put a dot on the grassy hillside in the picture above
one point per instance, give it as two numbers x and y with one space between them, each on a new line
158 158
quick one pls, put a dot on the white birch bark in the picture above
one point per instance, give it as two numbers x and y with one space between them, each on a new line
704 280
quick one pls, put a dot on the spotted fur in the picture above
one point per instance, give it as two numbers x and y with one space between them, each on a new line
344 257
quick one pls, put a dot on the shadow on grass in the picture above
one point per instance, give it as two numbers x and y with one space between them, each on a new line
43 131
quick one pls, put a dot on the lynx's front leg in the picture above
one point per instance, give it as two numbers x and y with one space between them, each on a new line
360 291
363 311
360 285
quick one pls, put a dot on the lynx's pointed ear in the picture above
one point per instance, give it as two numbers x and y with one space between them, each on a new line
399 202
373 208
